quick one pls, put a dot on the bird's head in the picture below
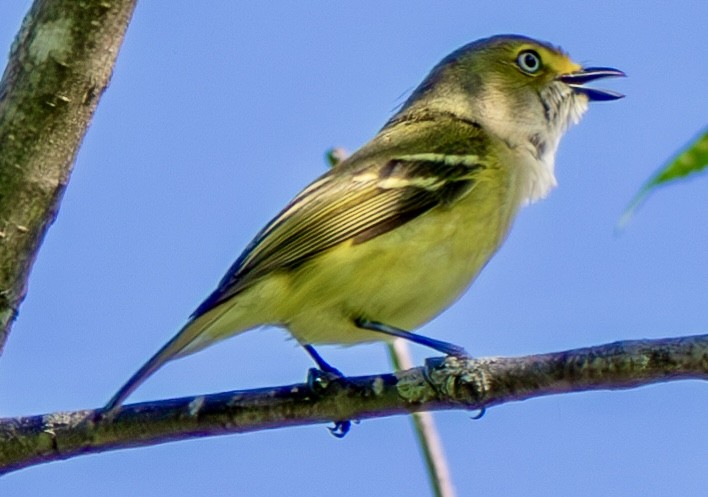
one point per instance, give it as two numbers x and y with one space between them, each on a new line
519 89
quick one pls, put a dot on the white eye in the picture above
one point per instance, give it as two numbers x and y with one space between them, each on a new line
529 61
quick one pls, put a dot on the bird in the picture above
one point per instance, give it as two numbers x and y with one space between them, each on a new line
394 234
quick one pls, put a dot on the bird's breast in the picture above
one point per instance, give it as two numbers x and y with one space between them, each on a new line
404 277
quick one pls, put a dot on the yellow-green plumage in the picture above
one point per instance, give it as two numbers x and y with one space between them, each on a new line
395 233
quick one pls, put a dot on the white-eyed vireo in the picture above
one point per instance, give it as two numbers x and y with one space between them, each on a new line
391 236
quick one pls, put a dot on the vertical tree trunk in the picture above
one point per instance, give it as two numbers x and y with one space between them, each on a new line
60 64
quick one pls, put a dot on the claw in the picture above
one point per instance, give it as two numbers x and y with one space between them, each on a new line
318 381
480 414
340 428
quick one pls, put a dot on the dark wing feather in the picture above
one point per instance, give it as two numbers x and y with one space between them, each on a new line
345 205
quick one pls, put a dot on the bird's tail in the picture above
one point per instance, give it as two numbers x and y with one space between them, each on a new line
195 335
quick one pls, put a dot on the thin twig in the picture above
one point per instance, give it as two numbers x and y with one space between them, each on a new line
425 429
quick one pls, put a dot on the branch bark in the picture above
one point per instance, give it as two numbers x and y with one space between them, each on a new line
449 383
60 64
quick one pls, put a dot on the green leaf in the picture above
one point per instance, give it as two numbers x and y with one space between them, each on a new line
335 155
690 161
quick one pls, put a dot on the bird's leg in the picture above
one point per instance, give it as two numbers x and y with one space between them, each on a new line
321 363
341 427
444 347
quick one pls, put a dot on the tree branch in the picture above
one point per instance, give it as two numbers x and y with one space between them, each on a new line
60 64
449 383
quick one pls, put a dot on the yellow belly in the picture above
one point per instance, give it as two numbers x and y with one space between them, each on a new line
402 278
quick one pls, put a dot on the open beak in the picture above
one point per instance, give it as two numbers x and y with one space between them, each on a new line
576 81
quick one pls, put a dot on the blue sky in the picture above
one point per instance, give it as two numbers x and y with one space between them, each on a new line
218 113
